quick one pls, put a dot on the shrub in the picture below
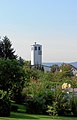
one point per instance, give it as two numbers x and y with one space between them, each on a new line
4 104
64 105
35 105
74 105
52 110
38 104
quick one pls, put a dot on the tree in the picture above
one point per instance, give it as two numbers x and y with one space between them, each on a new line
54 68
11 77
21 61
66 70
38 96
6 50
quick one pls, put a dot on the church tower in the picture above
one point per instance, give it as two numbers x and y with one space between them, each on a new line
36 54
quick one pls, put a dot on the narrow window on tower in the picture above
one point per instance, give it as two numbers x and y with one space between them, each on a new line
35 48
38 48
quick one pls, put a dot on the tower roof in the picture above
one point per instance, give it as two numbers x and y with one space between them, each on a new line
35 44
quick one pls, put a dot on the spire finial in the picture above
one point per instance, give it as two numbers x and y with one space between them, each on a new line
35 43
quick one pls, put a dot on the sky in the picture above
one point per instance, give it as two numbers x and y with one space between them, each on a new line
51 23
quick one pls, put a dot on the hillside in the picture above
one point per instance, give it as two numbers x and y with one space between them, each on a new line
59 64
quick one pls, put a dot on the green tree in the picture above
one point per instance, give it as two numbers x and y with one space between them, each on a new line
54 68
32 72
38 95
21 61
27 69
66 70
11 77
6 50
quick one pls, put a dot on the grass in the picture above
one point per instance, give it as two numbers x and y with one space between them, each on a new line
22 116
21 108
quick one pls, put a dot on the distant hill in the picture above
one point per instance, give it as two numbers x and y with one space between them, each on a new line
59 64
74 64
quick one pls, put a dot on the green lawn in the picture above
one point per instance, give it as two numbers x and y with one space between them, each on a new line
21 116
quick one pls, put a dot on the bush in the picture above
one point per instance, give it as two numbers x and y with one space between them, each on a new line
4 104
35 106
64 105
52 110
38 104
74 105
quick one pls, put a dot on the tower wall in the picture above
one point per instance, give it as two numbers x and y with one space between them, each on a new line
36 54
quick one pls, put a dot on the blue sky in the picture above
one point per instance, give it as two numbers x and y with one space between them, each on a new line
52 23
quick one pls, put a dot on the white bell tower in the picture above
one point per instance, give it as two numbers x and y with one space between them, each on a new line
36 54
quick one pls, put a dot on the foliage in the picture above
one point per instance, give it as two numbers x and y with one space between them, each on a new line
31 73
11 77
54 68
27 69
6 50
66 70
52 110
38 104
38 95
35 73
21 61
44 89
74 105
64 104
4 104
40 91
